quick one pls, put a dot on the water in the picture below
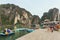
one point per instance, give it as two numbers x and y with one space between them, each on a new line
14 36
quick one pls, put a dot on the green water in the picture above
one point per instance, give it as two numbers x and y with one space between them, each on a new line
14 36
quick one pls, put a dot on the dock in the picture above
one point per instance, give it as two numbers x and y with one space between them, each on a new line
41 34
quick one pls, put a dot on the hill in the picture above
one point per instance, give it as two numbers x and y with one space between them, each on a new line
11 14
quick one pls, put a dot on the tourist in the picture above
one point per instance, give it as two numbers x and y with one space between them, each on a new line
8 30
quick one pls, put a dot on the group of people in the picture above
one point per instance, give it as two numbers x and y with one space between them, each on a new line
6 31
55 27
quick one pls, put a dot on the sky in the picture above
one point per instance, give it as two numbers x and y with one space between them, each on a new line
35 7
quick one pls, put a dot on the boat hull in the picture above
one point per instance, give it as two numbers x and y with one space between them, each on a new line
2 34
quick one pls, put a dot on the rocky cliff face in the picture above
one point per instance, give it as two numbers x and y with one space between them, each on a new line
12 14
52 15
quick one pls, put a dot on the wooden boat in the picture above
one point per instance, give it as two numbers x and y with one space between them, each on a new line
3 34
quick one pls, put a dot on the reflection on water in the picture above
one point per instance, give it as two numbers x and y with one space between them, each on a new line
14 36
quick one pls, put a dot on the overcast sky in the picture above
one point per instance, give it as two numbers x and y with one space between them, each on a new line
35 7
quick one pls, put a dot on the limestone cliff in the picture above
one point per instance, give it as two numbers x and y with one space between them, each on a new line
12 14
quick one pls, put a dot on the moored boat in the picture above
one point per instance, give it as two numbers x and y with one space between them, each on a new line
3 34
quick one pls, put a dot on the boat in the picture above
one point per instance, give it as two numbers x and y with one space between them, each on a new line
30 30
3 34
25 29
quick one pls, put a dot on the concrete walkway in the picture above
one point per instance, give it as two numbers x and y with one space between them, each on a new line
41 34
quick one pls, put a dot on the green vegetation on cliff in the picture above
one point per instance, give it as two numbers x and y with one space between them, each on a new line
12 14
50 14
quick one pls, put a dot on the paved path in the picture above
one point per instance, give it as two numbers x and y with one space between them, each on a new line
41 34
